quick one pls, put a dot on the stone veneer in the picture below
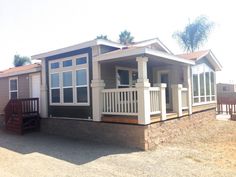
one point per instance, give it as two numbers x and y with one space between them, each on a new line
138 136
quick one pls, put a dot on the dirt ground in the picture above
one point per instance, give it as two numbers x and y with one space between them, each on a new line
208 151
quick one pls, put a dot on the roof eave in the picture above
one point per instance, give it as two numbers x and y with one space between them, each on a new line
77 47
142 51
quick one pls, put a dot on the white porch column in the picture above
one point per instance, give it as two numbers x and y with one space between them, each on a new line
43 91
162 97
97 87
188 83
177 99
143 86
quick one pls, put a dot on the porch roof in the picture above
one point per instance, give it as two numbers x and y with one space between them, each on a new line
139 51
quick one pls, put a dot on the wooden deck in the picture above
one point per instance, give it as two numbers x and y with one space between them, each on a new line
154 118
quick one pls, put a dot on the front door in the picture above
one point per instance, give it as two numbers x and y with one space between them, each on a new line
164 78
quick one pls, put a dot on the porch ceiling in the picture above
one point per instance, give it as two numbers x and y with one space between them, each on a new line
132 53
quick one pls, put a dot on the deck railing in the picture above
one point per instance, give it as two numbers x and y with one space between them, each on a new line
154 100
120 101
184 94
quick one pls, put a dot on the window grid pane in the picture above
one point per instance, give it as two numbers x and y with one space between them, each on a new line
80 61
55 65
13 84
67 63
55 80
67 79
81 77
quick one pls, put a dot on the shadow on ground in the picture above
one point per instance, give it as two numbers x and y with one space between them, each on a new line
73 151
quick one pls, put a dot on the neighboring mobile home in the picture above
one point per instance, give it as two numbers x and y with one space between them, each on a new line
139 84
19 82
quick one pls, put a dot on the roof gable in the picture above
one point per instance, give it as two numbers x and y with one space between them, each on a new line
201 55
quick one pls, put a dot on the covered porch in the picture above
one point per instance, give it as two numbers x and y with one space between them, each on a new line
140 86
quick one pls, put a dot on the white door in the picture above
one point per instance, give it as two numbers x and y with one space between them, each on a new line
35 87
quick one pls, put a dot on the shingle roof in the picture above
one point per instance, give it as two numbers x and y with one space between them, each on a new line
20 69
193 55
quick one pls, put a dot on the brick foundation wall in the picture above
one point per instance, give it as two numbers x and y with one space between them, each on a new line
162 132
137 136
107 133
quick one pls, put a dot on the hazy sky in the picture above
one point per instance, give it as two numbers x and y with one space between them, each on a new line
29 27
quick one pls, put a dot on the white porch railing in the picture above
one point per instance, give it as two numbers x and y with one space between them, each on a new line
120 101
184 95
154 100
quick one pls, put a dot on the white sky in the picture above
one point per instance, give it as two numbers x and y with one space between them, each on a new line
29 27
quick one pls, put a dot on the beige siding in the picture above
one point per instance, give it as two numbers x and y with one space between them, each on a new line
23 89
4 93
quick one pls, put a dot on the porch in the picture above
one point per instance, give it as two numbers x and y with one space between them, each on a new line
140 88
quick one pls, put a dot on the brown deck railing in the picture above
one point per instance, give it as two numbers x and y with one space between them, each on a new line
19 109
226 103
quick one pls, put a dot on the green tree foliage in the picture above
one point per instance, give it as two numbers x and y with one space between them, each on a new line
21 60
102 37
195 34
125 37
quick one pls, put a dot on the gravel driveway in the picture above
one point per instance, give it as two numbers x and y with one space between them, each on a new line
208 151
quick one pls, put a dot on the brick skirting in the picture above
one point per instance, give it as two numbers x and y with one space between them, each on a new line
137 136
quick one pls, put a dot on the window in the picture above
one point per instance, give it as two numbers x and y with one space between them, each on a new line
80 61
203 78
67 87
13 88
126 77
55 88
67 63
55 65
81 85
69 84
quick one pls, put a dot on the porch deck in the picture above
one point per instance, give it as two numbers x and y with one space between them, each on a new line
154 118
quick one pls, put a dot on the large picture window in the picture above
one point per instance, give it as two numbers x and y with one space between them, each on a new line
13 88
203 78
69 81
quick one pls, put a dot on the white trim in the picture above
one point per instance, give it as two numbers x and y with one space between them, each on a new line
141 51
130 70
150 42
205 69
72 69
77 47
212 59
9 84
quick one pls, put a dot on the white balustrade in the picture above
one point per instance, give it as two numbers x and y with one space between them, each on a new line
120 101
154 100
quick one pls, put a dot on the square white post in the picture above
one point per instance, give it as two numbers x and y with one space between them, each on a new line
43 92
162 101
187 76
97 87
143 86
177 99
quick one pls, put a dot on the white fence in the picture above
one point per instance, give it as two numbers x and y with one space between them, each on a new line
120 101
184 95
154 100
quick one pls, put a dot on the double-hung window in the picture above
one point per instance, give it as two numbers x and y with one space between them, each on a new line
126 77
203 83
13 88
69 81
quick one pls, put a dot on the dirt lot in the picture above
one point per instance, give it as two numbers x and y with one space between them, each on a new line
209 151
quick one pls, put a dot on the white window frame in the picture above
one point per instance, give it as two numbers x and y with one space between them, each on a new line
206 69
130 70
73 69
10 91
